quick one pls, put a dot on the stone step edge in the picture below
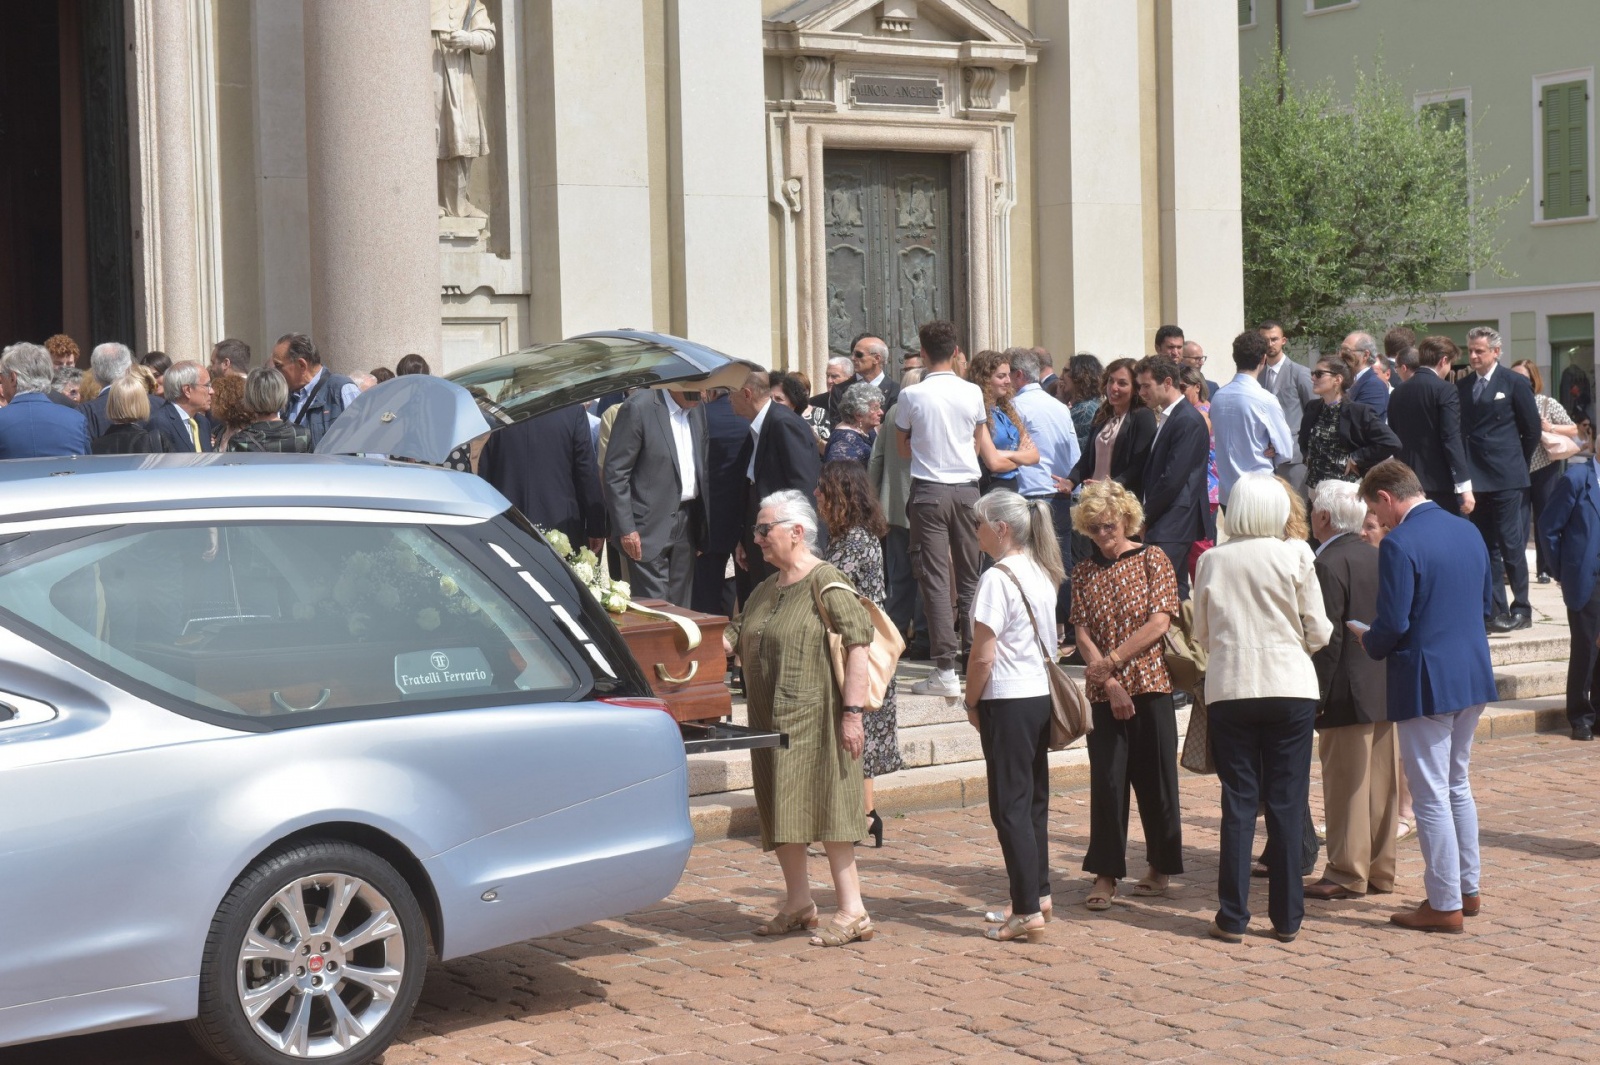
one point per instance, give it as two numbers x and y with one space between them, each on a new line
955 785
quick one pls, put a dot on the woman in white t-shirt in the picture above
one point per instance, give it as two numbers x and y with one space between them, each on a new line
1008 695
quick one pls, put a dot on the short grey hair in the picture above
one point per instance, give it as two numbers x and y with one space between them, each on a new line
1024 364
110 361
32 366
178 377
842 362
1483 332
1046 360
790 507
856 401
1368 347
265 391
1341 501
67 375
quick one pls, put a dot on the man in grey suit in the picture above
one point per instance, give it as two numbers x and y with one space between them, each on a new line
1291 383
656 491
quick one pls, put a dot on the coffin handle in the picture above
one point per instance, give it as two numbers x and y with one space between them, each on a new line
668 678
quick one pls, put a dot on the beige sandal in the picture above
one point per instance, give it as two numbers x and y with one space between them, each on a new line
835 935
1002 916
783 923
1099 898
1017 928
1149 887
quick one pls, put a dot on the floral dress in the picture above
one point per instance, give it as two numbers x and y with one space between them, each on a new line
1326 457
847 444
859 557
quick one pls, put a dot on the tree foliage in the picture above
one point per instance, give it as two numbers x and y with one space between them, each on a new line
1356 214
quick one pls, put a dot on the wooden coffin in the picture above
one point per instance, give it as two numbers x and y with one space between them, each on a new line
689 679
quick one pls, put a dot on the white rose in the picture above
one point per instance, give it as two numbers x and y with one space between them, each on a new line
584 571
622 589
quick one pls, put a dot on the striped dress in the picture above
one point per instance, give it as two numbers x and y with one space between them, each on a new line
812 791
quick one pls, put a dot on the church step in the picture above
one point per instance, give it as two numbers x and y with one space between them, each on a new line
1528 680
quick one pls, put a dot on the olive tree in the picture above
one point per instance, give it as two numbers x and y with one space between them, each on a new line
1357 213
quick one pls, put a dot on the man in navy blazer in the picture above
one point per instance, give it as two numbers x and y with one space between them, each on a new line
1360 352
1433 584
1500 424
30 425
1570 525
1173 488
782 454
727 436
184 421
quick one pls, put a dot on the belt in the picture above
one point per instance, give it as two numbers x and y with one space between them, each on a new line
945 484
1050 495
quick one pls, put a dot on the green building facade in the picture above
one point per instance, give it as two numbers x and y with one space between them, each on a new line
1522 76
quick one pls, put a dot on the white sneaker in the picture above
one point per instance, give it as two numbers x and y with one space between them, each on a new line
939 682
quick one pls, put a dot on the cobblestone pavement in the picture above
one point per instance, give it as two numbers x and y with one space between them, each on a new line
684 982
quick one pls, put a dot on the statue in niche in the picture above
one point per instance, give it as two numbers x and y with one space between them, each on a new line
838 320
461 29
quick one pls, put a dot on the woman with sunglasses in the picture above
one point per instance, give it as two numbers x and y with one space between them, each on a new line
1124 597
811 792
1340 438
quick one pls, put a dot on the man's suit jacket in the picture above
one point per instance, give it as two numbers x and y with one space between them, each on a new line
785 458
1425 413
643 483
1501 430
1174 479
1570 526
1292 386
99 420
1433 592
168 421
32 427
1352 684
545 466
1370 389
727 454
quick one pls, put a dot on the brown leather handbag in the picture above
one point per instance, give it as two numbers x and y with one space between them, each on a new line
1070 720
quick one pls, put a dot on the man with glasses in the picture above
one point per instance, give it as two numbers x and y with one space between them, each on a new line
870 356
184 422
1195 356
1359 351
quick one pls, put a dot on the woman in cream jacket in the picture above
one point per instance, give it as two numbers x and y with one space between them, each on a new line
1258 613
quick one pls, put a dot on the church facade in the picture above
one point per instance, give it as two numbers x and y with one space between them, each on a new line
461 178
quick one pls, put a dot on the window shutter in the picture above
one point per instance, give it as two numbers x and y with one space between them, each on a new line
1246 16
1566 149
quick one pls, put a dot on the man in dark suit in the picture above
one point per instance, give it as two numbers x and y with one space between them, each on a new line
727 436
1425 413
839 373
1173 488
1433 582
1355 740
1500 425
30 425
545 466
1291 384
655 481
1047 370
1570 526
781 454
184 421
1360 352
870 357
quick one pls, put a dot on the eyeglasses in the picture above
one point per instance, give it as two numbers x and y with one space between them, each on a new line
1096 528
760 531
1323 373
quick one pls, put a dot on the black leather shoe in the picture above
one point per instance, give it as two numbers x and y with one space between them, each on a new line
1501 624
1583 732
1544 578
1520 621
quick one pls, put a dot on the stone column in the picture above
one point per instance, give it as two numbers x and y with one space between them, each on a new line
722 286
371 184
1088 160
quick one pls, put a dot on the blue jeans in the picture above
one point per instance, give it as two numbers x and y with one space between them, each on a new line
1437 752
1263 754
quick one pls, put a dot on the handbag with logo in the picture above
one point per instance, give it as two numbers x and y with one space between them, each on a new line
1070 720
883 653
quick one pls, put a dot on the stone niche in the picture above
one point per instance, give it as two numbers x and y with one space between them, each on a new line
892 76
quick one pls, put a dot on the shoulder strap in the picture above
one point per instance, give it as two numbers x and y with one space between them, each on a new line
1032 622
816 592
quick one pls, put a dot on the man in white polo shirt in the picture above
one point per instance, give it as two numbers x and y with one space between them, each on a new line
936 425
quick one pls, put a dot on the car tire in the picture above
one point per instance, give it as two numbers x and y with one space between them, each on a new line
318 951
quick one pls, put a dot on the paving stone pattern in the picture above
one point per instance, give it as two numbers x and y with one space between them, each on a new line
684 982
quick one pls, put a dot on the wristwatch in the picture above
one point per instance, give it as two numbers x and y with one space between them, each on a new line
853 709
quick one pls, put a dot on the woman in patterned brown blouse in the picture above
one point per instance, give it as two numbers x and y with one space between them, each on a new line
1124 597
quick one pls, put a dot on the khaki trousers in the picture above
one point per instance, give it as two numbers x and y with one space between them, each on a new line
1361 795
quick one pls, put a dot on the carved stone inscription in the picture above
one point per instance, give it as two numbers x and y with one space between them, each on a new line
868 90
890 257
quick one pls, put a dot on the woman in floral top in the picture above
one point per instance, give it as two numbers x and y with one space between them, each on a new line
1124 597
1553 418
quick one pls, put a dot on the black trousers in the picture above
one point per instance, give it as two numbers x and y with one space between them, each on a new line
713 591
1141 755
1263 752
904 602
1544 483
1583 664
1449 502
1016 734
1502 519
1178 555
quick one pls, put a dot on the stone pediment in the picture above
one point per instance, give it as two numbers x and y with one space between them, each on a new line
951 31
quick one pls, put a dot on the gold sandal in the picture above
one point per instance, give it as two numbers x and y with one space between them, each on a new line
833 935
783 923
1017 928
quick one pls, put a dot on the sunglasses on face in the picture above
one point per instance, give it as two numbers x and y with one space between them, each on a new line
764 528
1099 527
1323 373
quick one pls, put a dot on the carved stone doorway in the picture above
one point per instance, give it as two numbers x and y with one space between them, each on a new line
893 260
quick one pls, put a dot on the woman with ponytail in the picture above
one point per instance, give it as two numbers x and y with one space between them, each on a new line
1124 597
1008 695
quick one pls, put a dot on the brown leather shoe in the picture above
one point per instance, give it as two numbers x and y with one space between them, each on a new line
1327 890
1469 905
1427 919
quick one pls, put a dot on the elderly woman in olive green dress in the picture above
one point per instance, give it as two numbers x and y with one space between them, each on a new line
810 792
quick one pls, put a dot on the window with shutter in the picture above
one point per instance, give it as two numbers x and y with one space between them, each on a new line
1325 5
1247 12
1565 118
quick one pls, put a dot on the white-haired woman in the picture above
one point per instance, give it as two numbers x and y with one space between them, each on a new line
1259 614
857 416
811 792
1008 695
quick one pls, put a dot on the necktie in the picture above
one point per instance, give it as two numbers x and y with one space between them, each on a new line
194 432
1478 387
1272 378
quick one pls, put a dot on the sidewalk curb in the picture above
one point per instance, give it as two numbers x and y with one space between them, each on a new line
732 814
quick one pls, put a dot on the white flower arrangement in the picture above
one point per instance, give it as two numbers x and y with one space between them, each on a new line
614 596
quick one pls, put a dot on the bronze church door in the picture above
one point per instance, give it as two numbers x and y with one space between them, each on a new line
891 262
